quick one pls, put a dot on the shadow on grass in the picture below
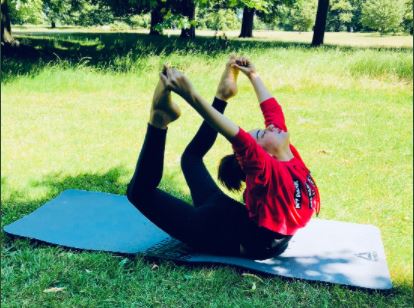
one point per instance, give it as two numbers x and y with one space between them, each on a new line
119 51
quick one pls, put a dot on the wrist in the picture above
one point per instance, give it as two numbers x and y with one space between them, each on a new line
253 76
192 97
221 97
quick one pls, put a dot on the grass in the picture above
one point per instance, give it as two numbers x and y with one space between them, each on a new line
357 39
73 123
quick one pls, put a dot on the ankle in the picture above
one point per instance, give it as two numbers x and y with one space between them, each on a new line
158 119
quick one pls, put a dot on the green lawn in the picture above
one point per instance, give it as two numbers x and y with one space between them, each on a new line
75 118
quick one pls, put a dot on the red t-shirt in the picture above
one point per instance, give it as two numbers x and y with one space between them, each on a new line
280 195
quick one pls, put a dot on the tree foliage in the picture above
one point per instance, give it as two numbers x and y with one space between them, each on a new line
220 19
340 15
302 15
57 11
26 12
383 15
408 17
298 15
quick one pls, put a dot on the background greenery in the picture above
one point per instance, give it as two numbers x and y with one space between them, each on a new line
74 116
344 15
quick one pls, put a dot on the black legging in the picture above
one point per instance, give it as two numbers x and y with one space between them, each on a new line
216 223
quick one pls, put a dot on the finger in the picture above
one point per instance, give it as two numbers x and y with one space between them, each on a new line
176 73
169 73
241 68
164 79
165 68
241 61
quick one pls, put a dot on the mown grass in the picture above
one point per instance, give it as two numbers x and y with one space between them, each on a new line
74 123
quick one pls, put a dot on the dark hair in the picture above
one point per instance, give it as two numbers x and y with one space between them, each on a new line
230 173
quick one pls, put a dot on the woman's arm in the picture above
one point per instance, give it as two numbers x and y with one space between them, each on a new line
177 82
247 67
262 92
271 109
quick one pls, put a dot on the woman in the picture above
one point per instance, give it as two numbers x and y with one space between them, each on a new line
280 194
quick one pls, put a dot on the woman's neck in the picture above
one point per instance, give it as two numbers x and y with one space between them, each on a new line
284 154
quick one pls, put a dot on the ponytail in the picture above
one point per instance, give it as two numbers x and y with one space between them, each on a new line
230 173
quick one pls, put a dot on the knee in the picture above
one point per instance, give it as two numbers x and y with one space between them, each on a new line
185 159
188 158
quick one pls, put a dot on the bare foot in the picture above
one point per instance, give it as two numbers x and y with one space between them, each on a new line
163 109
227 87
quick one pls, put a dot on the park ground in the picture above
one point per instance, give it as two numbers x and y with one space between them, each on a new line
74 116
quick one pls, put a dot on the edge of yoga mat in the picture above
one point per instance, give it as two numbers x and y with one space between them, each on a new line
69 219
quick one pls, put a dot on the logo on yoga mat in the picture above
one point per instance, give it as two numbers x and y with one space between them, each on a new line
369 255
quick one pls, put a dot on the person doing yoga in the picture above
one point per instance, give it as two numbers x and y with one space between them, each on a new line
280 195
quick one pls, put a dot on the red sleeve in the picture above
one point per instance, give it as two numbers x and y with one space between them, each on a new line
250 155
273 113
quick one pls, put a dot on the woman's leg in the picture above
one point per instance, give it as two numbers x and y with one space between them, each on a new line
219 226
210 228
202 185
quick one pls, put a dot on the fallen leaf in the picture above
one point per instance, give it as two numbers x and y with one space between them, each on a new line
324 152
253 286
54 290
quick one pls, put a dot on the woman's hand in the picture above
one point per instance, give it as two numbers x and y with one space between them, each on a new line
177 82
246 66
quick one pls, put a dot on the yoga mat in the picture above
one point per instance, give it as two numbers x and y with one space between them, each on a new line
329 251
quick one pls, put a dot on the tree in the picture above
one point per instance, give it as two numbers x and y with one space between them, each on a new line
127 8
89 13
6 33
164 13
220 19
250 7
57 10
247 22
302 15
157 17
408 17
188 12
383 15
320 22
26 11
340 15
355 24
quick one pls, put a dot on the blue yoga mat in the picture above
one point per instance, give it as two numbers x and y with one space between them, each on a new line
329 251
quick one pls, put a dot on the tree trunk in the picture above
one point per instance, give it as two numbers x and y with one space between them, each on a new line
188 10
6 35
156 18
53 24
247 22
320 22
